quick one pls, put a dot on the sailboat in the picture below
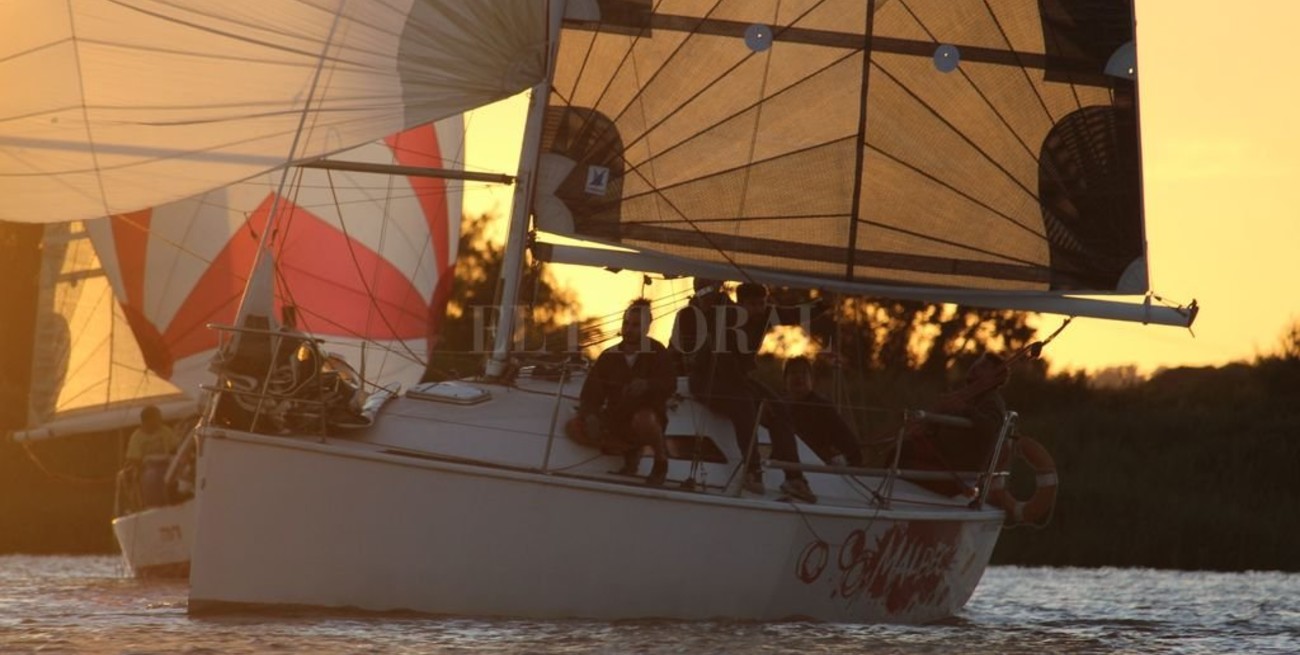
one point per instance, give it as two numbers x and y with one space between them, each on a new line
181 266
126 300
975 153
90 377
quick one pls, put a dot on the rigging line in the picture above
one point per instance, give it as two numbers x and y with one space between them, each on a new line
586 56
365 284
48 111
349 334
63 477
612 319
302 122
377 100
940 117
609 317
642 88
299 174
271 44
1042 101
743 219
213 153
966 76
1054 334
403 238
627 54
177 245
655 190
976 201
280 279
605 329
758 119
264 245
703 235
85 115
49 45
645 118
719 78
355 67
859 150
1069 72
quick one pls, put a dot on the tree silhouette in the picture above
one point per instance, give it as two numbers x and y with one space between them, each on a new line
548 312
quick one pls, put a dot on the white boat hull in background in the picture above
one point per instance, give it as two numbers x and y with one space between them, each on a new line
302 521
156 542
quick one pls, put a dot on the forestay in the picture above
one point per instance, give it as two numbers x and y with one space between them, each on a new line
112 106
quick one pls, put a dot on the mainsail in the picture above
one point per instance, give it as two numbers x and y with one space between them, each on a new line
114 106
980 152
366 260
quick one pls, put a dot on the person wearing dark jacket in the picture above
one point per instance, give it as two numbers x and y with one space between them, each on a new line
815 418
723 356
624 398
962 449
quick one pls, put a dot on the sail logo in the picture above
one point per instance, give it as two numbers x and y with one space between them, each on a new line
904 568
597 180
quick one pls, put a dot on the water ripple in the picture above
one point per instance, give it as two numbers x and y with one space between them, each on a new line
85 605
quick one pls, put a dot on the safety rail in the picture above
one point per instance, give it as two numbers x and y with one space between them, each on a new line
903 474
983 478
262 392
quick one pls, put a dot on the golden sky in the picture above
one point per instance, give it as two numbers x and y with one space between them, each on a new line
1221 166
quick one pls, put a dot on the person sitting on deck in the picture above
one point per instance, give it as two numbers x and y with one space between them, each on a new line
720 377
962 449
815 418
690 323
624 398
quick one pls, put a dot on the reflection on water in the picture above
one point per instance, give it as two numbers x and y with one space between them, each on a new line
85 605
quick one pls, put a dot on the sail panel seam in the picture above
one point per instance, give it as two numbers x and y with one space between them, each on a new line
859 168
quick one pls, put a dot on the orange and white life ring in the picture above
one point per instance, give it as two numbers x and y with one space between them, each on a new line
1038 507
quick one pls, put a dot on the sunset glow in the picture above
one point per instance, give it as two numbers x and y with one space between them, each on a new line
1220 146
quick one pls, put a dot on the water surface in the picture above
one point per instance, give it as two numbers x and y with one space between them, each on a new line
86 605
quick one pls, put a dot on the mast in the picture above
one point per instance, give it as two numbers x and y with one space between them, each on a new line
517 236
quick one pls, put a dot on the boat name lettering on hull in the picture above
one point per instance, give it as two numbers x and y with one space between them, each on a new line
906 565
169 533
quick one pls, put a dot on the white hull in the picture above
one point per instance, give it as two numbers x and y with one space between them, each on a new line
387 521
156 542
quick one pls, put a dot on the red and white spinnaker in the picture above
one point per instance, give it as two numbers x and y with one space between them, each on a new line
366 259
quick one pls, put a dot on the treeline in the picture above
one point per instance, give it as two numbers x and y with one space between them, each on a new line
1192 468
57 496
1195 468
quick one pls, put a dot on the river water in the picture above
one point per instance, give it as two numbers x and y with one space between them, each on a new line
86 605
